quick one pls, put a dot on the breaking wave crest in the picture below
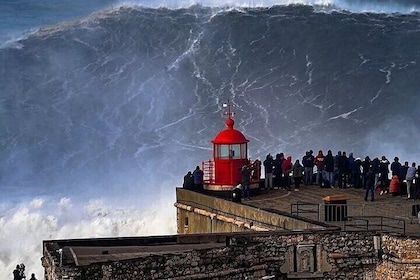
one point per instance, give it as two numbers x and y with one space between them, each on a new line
25 225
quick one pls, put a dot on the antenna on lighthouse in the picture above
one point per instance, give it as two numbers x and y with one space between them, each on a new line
228 105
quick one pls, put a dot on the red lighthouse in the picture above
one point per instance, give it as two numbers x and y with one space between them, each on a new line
230 153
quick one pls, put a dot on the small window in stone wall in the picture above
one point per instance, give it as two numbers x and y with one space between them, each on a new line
186 222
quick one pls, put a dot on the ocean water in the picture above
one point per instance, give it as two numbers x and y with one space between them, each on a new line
105 106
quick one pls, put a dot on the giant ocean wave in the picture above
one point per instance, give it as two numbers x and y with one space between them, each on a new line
110 111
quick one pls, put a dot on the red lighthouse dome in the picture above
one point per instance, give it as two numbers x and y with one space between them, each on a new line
229 135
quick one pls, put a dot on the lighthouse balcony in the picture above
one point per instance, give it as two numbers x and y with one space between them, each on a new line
227 174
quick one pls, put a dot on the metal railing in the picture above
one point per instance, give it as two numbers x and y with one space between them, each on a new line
305 209
378 223
208 171
355 216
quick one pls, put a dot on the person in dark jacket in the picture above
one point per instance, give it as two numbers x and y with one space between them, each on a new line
351 160
370 181
277 171
19 272
308 162
375 169
339 169
357 173
329 167
403 170
416 193
396 168
319 163
246 181
384 170
297 174
198 178
268 168
344 170
365 165
188 181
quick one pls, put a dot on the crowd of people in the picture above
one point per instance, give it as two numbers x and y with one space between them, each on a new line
342 171
328 171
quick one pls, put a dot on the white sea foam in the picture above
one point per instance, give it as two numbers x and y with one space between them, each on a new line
349 5
74 11
24 226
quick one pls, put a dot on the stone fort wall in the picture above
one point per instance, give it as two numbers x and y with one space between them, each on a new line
400 258
305 255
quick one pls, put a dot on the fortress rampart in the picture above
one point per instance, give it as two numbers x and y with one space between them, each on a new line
246 243
254 255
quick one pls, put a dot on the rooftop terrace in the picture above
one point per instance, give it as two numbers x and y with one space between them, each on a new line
396 210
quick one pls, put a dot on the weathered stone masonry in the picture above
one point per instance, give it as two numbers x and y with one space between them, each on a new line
400 259
329 255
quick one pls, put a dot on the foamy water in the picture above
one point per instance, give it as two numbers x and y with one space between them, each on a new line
24 226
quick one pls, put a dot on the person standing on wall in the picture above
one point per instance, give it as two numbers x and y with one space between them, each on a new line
188 181
198 178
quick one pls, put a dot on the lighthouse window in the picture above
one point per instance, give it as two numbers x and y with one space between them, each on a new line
235 151
223 151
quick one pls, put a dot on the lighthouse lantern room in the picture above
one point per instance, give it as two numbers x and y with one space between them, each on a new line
230 154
